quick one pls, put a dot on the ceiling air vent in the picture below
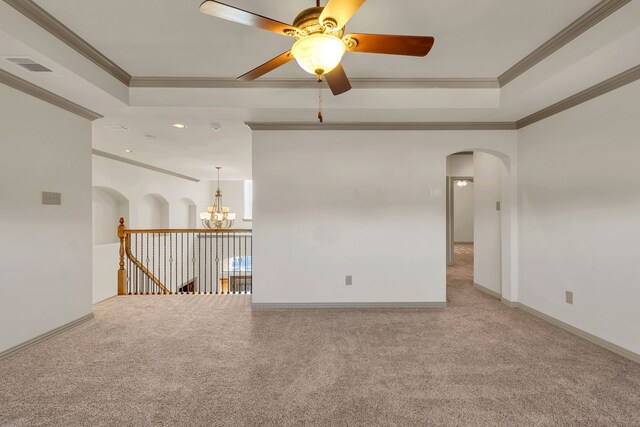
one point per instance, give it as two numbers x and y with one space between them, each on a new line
29 64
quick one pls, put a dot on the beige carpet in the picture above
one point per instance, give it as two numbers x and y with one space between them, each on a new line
207 360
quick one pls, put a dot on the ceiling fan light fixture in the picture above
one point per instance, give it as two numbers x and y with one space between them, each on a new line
318 54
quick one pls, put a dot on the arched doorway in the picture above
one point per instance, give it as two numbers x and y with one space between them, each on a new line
480 185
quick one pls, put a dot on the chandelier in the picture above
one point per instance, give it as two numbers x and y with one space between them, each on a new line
217 216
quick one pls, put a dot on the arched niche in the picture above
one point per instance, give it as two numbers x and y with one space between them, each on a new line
185 214
108 205
153 212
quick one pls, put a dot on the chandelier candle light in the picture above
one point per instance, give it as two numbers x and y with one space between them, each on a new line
217 216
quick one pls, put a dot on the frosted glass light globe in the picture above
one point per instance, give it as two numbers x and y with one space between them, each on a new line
318 53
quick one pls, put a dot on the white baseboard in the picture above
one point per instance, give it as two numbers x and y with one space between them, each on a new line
579 332
295 305
46 335
487 290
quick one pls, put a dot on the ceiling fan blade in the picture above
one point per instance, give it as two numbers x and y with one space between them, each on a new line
338 80
340 11
230 13
267 66
392 44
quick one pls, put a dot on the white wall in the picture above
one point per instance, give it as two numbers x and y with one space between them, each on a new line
45 256
460 165
107 207
463 213
329 204
186 214
104 273
134 183
487 263
580 216
153 211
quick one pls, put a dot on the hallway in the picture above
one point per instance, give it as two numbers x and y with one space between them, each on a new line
206 360
460 278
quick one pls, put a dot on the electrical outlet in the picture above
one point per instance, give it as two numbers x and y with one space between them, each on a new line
569 297
348 280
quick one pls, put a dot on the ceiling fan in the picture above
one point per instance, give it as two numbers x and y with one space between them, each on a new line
321 40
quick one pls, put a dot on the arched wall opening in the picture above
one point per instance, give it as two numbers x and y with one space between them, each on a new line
108 205
153 212
185 214
493 222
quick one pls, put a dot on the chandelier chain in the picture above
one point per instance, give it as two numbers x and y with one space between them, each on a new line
320 118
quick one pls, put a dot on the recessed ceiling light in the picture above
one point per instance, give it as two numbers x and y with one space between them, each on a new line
128 151
179 125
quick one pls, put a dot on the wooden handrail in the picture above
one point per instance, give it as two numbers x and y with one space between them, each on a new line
187 230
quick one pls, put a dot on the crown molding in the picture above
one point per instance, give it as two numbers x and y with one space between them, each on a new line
381 126
43 94
141 165
619 80
588 94
45 20
356 83
593 16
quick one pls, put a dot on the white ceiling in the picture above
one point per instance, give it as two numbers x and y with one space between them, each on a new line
193 151
479 38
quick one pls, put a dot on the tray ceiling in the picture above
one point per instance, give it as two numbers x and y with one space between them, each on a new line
482 38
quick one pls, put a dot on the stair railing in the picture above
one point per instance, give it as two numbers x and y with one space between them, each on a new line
184 261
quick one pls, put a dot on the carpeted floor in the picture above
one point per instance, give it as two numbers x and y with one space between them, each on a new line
206 360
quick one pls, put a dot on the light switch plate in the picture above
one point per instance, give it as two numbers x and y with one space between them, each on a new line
348 280
49 198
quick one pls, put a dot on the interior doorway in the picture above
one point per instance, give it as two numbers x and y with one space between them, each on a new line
474 222
460 213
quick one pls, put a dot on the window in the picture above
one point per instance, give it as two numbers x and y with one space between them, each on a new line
248 201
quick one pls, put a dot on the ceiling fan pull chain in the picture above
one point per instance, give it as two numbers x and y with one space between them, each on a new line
320 98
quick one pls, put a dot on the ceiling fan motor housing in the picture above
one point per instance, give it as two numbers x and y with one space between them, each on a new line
308 21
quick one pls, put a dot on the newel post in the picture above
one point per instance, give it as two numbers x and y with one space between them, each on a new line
122 273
